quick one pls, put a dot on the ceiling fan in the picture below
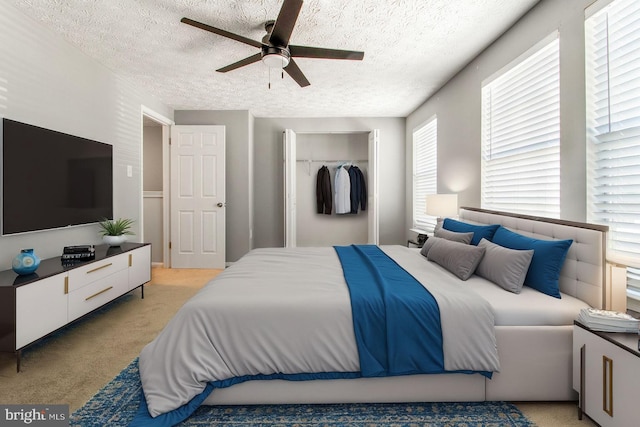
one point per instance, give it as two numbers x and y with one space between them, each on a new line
275 50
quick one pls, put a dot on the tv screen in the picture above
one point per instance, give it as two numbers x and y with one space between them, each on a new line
52 180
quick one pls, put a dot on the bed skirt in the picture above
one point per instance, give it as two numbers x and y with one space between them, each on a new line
545 377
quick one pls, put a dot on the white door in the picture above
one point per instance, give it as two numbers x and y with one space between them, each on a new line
197 197
372 202
289 188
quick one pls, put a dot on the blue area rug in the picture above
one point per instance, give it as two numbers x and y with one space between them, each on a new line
117 403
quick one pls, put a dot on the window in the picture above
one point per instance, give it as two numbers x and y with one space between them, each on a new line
612 43
521 135
425 171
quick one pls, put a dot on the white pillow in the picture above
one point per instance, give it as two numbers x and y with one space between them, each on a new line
505 267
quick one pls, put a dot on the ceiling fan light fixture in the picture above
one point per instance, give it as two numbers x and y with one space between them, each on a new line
275 60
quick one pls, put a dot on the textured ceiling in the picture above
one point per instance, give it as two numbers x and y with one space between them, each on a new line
411 48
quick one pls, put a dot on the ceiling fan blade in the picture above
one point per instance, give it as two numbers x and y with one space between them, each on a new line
220 32
285 22
242 63
319 52
296 74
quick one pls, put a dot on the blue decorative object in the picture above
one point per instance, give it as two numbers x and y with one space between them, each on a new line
26 262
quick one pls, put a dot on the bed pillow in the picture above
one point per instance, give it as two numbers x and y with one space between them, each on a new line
547 261
428 244
505 267
479 231
458 258
454 236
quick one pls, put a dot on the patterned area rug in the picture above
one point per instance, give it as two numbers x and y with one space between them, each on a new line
117 403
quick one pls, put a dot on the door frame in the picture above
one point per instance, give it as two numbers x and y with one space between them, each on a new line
166 179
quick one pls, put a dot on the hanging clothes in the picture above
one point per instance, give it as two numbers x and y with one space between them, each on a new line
342 191
323 191
358 190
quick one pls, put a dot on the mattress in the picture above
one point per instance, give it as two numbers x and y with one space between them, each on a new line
528 308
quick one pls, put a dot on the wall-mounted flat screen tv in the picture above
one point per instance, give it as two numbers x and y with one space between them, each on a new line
52 180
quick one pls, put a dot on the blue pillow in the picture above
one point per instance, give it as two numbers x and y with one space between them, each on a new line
479 231
547 261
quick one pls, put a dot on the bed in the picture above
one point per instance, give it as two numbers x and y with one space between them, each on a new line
532 333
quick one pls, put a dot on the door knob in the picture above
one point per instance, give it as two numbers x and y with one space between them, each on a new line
220 204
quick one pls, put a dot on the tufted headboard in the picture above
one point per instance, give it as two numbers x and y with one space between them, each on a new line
584 272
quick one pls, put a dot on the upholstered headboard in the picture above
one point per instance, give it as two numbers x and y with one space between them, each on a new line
584 272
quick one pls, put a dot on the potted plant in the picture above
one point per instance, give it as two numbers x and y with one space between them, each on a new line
114 232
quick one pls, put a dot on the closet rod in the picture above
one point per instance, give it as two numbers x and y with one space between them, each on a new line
330 161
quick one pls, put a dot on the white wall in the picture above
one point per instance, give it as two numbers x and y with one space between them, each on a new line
152 161
458 108
153 193
47 82
269 177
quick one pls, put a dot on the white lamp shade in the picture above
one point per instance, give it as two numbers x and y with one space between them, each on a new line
442 205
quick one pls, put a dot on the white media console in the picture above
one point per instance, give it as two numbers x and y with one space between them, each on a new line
57 294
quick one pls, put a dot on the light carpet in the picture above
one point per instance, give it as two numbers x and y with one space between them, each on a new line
117 403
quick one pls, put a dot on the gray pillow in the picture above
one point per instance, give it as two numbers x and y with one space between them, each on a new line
458 258
454 236
428 244
505 267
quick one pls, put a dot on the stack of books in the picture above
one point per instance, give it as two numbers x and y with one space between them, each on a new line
608 321
71 254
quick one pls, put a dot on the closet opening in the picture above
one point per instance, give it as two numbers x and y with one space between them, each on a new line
309 225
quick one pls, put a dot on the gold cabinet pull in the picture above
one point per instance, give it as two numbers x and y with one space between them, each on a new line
607 385
130 260
100 268
66 285
98 293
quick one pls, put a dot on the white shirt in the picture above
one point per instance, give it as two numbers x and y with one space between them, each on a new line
342 191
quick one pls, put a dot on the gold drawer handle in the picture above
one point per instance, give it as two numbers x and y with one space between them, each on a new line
96 294
100 268
607 385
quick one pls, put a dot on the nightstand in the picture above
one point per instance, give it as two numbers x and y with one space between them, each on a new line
420 239
606 374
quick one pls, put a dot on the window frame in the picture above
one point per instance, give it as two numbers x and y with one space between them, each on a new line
520 130
427 175
613 129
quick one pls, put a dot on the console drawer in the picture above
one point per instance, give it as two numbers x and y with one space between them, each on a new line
97 293
82 276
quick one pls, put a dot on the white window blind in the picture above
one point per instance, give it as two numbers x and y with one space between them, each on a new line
612 43
521 136
425 172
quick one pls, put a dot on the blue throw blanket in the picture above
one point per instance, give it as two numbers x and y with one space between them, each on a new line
396 324
396 320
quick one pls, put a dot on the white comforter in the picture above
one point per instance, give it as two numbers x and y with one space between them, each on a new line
288 311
